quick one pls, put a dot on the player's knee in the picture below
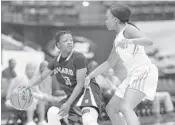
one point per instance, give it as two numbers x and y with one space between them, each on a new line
111 109
124 107
90 116
53 117
52 113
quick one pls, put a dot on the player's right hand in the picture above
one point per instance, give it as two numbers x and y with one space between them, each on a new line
87 81
38 96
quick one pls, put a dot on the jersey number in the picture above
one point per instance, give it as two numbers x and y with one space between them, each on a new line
67 80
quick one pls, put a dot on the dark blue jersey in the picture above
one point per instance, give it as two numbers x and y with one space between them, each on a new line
65 70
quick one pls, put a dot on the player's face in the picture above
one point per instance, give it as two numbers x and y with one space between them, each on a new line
66 43
110 21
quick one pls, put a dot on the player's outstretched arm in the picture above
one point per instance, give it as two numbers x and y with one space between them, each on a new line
46 97
39 79
109 63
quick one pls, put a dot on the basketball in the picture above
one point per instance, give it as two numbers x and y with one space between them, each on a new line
21 97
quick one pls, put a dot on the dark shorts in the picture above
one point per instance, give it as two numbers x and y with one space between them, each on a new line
91 97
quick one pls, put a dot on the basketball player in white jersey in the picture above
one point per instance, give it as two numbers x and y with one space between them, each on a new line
142 75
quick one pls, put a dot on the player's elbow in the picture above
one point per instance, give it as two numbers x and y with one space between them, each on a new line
149 42
111 62
80 85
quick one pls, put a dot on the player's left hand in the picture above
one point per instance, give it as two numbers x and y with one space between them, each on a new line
87 81
64 110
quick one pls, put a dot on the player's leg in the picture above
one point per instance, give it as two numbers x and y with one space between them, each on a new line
113 112
89 116
143 86
131 99
53 117
90 102
113 107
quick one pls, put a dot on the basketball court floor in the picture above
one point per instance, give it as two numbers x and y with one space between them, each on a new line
144 121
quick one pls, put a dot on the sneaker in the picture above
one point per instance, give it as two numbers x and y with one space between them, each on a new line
43 123
31 123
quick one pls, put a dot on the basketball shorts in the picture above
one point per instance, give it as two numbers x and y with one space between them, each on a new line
91 97
144 79
88 97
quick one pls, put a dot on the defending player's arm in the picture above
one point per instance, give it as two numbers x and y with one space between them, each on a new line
81 70
136 37
109 63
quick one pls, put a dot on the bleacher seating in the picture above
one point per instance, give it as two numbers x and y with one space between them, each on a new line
53 11
37 12
148 10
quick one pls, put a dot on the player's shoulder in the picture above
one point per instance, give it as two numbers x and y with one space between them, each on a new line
55 59
130 31
131 27
78 55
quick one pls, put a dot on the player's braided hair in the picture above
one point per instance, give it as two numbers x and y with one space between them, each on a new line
58 34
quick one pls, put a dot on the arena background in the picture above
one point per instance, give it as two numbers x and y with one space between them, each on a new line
33 24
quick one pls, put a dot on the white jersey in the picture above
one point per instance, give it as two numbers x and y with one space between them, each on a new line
142 75
133 56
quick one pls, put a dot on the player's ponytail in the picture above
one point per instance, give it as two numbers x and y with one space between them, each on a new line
133 24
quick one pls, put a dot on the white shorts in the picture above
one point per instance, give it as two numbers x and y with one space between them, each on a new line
144 79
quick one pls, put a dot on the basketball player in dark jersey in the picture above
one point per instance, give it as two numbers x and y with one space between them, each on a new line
70 69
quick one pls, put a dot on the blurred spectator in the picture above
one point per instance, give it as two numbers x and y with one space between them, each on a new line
166 68
44 88
7 75
9 72
107 80
30 70
165 98
108 83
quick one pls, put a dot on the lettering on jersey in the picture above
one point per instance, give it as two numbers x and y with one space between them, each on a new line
63 70
67 80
